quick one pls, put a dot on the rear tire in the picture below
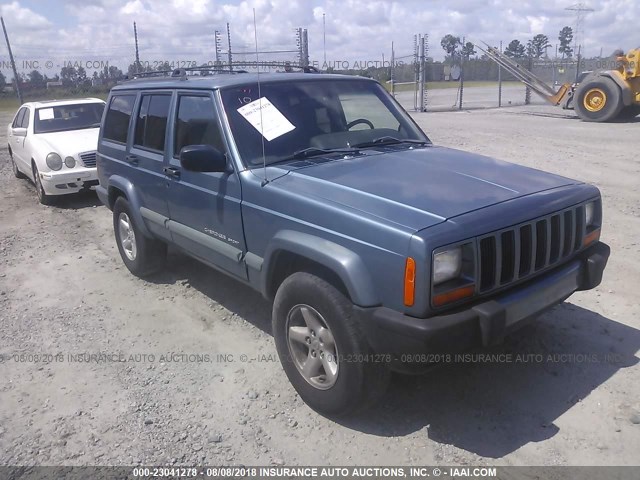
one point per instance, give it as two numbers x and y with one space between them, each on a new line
16 173
143 256
598 100
313 326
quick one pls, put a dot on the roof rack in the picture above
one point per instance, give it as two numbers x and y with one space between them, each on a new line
221 68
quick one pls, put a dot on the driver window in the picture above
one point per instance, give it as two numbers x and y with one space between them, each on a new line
196 123
364 110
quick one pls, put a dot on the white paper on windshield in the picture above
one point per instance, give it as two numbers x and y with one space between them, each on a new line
266 118
45 113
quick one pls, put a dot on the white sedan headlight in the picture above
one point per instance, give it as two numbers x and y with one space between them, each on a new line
70 162
590 213
447 265
54 162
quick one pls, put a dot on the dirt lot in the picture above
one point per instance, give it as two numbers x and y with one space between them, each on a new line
64 290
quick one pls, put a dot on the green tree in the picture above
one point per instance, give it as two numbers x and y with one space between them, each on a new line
69 76
36 79
450 45
515 49
565 38
83 81
537 46
3 82
468 50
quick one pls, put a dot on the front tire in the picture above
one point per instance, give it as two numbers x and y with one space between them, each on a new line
599 100
43 198
322 350
143 256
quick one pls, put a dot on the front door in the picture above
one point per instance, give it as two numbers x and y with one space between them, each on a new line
17 137
204 206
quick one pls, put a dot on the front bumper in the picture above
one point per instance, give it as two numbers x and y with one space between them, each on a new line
486 322
70 181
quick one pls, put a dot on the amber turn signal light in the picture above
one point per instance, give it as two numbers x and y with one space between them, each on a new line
409 282
591 237
453 295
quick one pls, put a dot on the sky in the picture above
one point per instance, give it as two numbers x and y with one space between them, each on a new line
48 34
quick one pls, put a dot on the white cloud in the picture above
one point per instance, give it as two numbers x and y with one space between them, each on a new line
177 30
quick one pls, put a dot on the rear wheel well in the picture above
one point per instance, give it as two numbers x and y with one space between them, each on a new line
287 263
113 194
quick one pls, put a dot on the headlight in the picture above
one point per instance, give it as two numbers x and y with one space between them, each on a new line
70 162
447 265
54 162
590 213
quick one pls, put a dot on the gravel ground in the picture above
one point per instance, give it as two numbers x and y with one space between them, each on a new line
166 391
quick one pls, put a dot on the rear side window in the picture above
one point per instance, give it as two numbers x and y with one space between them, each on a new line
196 123
24 121
116 123
151 125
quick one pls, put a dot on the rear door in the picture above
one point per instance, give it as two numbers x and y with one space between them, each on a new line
145 158
204 206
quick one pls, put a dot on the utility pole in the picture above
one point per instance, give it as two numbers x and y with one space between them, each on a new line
324 37
580 10
500 80
305 49
391 71
464 43
135 37
229 43
218 42
16 80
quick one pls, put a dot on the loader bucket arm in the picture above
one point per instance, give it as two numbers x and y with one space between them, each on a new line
525 76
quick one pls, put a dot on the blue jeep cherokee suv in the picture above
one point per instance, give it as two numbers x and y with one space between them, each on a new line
322 193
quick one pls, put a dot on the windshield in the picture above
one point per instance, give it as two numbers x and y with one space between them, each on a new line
314 114
68 117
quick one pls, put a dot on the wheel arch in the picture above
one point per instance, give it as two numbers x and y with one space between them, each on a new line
291 251
618 79
121 187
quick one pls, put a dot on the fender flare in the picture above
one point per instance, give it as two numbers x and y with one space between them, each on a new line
627 94
124 185
346 264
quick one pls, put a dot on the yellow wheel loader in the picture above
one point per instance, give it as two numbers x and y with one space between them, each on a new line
596 97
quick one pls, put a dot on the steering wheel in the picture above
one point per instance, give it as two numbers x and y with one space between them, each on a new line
358 121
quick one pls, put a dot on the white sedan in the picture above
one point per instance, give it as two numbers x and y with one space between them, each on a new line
54 144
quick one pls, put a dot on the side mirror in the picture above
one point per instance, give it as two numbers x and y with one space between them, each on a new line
20 132
203 158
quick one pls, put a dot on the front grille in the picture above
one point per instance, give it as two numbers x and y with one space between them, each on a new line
88 159
510 255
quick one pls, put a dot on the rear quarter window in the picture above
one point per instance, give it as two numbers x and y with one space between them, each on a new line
116 122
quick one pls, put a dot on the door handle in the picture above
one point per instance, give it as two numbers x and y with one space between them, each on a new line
132 159
172 171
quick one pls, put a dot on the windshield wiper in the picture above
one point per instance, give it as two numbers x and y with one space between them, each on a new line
315 152
388 140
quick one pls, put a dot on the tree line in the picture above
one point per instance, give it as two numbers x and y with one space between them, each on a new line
534 48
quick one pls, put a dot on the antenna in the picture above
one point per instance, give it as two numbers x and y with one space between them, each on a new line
264 159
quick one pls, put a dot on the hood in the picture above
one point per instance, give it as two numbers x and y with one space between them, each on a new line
71 142
420 187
